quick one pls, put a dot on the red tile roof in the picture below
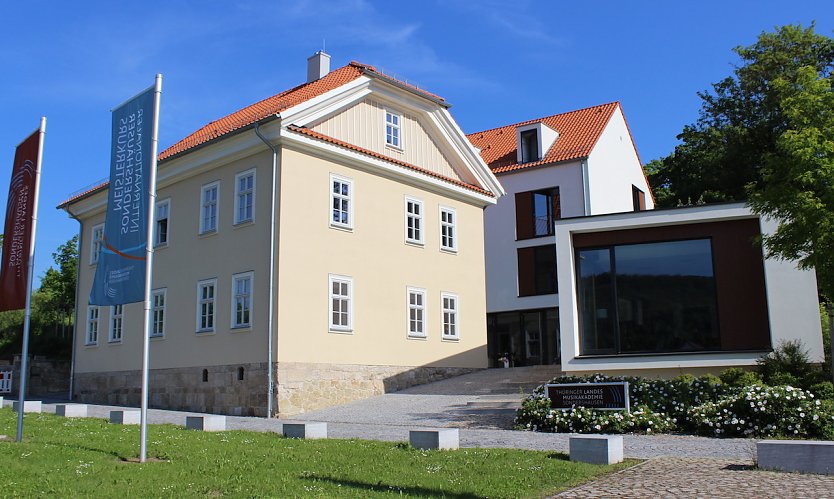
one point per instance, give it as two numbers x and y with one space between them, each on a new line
271 106
578 133
267 107
326 138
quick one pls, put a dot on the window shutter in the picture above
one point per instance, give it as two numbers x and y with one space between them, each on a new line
556 206
524 215
526 271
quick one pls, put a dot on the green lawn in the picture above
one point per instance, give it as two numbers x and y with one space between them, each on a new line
87 457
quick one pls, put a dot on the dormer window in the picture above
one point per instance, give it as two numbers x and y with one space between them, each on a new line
533 141
529 146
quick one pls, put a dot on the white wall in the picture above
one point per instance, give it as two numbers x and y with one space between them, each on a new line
613 167
501 244
791 294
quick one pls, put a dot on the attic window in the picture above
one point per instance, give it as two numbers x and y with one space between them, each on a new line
392 129
529 146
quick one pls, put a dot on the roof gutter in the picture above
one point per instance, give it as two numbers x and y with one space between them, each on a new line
270 319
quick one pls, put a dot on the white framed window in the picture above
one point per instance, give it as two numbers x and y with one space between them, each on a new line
209 206
413 220
158 299
116 316
206 305
92 325
416 312
242 300
163 210
341 303
245 197
96 242
449 303
341 202
393 130
448 229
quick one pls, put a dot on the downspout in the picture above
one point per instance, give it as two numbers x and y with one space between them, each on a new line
586 191
77 285
270 322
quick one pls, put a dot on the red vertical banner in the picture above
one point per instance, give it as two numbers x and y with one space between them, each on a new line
17 234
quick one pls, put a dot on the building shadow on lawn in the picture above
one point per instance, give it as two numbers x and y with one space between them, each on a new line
383 487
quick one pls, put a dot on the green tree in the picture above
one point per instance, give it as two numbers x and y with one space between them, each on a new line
797 176
53 303
740 120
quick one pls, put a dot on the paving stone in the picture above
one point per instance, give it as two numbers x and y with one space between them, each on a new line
709 478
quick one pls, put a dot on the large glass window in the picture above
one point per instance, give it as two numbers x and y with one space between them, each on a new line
664 294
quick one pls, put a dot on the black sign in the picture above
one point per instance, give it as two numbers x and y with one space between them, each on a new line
605 396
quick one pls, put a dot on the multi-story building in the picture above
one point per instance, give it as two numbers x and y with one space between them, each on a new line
573 164
322 245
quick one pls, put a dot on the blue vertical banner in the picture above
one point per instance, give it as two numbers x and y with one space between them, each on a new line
120 274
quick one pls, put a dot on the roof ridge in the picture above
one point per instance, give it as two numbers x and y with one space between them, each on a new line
544 117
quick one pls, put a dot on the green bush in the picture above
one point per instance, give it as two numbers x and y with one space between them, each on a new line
823 390
764 411
790 365
740 406
536 415
739 377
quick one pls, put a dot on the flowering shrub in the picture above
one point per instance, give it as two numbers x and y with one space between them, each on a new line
536 415
757 411
702 405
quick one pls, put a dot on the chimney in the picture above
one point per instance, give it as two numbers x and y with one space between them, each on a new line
318 65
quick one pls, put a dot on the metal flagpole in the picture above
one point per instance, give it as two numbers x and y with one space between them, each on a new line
24 365
146 341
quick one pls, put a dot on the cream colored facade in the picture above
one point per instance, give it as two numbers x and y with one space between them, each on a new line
312 365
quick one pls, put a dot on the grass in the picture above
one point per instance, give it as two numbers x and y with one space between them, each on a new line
88 457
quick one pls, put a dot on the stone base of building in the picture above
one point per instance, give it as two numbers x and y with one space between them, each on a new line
304 387
237 390
300 387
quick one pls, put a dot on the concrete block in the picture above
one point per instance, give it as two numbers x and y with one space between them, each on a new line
805 456
305 430
442 438
206 423
1 402
71 410
597 449
125 417
28 406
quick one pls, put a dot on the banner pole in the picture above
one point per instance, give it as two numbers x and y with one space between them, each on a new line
24 365
146 340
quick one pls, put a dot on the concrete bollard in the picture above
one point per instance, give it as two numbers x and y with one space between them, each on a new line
71 410
206 423
804 456
597 449
305 430
442 438
125 417
28 406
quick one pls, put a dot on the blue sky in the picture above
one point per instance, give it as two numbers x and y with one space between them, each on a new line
497 62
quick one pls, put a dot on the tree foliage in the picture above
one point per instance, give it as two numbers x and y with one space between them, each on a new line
741 120
797 177
53 303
